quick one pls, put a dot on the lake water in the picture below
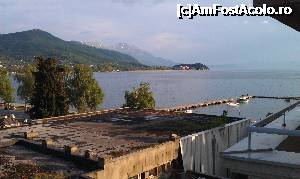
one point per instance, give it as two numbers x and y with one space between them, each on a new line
173 88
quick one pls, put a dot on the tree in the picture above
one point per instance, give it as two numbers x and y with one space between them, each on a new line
49 96
25 78
6 88
140 98
84 92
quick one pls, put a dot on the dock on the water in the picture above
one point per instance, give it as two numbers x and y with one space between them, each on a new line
223 101
203 104
278 97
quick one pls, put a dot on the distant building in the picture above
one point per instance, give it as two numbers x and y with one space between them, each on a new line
196 66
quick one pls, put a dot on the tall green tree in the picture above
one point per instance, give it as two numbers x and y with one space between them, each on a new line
6 88
140 98
25 78
84 92
49 97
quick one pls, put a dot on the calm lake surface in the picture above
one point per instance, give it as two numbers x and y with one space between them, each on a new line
173 88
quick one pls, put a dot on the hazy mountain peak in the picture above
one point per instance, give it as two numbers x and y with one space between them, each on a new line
125 46
142 56
27 44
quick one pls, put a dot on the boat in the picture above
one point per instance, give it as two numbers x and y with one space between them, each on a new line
189 111
234 104
243 99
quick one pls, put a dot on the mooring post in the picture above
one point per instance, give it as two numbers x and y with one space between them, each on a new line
249 139
284 124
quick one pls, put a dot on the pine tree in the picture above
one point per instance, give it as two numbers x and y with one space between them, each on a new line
49 97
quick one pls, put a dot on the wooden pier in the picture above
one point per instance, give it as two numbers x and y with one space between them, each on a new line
222 101
204 104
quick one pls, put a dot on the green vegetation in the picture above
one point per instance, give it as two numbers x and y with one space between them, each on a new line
115 67
140 98
25 45
21 47
6 88
49 96
182 127
25 78
51 88
84 91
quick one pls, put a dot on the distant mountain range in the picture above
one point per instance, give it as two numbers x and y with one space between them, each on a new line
141 55
18 46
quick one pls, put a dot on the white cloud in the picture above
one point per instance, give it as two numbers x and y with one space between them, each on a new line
164 40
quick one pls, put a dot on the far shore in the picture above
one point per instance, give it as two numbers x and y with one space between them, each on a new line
151 71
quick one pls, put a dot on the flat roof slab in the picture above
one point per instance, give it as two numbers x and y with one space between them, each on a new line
116 133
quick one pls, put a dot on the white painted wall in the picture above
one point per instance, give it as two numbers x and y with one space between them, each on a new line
201 151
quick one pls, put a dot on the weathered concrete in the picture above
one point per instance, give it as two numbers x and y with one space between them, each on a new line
138 162
30 135
68 155
7 142
101 139
71 150
259 169
47 143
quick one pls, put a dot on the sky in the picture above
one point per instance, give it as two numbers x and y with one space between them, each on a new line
152 25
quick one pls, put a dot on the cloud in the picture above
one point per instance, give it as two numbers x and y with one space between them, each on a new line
164 40
152 25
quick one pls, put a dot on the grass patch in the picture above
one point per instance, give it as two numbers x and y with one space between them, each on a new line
184 127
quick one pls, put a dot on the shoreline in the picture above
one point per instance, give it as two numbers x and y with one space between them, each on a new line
131 71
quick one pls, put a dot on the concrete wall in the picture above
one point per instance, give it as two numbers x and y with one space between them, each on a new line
7 142
207 145
80 161
138 162
215 141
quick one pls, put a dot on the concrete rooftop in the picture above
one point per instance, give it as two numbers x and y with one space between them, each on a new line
116 133
17 154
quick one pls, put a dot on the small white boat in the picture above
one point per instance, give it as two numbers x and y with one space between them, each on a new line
243 99
234 104
189 111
